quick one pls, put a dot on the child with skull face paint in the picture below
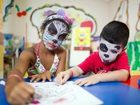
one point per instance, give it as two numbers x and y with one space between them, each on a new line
42 61
110 63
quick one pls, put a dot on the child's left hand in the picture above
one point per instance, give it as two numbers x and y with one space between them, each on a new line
46 75
93 79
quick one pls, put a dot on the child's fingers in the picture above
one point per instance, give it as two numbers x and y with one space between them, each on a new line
64 79
49 78
58 79
81 82
87 84
17 101
28 95
29 101
26 91
33 78
25 96
30 89
45 78
37 79
61 78
24 87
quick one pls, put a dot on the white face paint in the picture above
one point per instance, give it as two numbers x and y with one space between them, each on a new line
108 52
54 34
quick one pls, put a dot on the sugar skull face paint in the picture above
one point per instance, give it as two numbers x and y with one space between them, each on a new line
54 34
108 52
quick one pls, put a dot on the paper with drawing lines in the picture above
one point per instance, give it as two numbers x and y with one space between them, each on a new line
51 93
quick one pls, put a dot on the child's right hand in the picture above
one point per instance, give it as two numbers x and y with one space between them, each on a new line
62 77
21 94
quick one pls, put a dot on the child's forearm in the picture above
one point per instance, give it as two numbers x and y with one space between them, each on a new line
120 75
13 78
10 83
15 74
75 71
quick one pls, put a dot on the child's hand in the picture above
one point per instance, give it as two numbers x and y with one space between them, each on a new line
21 94
93 79
62 77
46 75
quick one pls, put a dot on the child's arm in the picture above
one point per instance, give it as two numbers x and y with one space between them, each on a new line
118 75
17 91
62 77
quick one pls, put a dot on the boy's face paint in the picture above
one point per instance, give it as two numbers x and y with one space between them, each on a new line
108 52
54 34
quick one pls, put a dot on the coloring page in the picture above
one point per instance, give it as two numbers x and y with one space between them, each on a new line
51 93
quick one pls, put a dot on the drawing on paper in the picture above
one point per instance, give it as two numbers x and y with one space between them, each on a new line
51 93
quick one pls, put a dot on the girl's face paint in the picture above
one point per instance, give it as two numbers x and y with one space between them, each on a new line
54 34
108 52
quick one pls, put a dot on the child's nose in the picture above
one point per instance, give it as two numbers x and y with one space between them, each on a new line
106 55
55 41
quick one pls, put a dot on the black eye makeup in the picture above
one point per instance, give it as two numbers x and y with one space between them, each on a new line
114 51
52 29
62 36
117 47
103 47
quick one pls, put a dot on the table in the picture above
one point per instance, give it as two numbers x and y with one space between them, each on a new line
111 93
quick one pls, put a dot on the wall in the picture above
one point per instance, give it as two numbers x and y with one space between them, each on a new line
22 26
1 40
133 12
102 10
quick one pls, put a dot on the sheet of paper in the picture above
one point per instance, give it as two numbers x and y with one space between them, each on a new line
51 93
